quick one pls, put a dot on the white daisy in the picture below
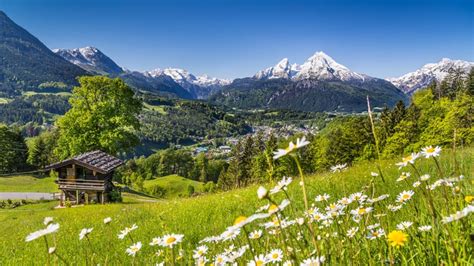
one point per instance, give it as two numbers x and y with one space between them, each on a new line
156 241
51 228
282 152
404 225
410 159
416 184
430 151
107 220
405 196
394 208
171 239
230 233
47 220
126 231
133 249
220 260
301 142
258 260
425 177
313 261
338 167
276 255
84 232
255 234
200 251
351 232
374 234
262 192
319 198
424 228
403 176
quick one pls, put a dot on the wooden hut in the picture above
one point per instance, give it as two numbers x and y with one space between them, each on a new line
86 177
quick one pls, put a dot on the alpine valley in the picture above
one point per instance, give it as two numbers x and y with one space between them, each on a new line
319 84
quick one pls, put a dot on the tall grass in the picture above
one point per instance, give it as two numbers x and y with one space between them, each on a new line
341 238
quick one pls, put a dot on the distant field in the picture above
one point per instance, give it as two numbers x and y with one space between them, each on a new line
156 108
27 183
4 100
175 185
30 93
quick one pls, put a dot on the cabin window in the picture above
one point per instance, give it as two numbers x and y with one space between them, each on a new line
71 172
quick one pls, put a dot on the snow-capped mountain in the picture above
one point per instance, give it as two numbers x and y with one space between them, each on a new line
184 78
93 60
320 66
199 86
422 77
90 59
281 70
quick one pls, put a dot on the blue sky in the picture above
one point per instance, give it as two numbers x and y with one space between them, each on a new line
231 39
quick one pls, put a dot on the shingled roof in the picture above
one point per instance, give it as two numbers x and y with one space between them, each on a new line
95 160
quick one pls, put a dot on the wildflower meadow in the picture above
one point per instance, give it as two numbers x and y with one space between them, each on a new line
416 211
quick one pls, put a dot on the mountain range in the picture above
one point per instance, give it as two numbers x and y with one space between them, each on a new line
319 84
422 77
26 63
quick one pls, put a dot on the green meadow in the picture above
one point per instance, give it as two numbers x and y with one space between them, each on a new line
174 185
209 215
27 183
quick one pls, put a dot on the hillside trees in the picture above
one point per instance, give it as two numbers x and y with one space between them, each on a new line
13 150
103 116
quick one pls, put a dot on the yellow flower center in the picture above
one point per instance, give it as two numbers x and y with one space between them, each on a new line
430 150
469 199
407 159
273 208
170 240
275 256
259 263
361 211
405 196
239 220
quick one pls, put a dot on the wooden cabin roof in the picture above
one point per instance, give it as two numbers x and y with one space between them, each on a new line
98 161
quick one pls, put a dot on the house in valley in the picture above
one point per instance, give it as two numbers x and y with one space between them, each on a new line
86 178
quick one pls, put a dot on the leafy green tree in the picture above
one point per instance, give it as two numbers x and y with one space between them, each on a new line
13 149
37 154
103 115
201 166
470 83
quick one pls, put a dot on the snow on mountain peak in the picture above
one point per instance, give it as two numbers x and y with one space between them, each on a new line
322 66
318 66
90 58
186 79
282 69
422 77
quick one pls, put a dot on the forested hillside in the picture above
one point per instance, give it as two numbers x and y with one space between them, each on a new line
308 94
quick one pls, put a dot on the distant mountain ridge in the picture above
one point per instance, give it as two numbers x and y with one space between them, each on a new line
422 77
90 59
26 63
168 80
320 66
319 84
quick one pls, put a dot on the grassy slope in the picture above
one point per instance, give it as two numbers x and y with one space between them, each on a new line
194 217
174 184
4 100
27 183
